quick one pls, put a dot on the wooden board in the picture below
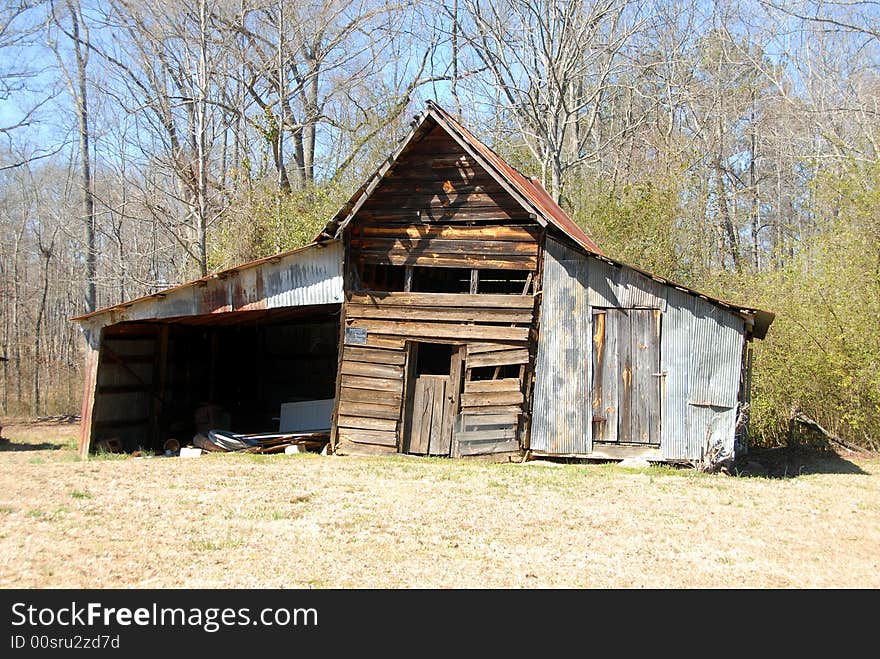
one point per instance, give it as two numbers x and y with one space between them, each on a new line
476 315
380 341
387 398
369 410
366 423
372 384
347 447
484 261
389 371
477 348
443 246
358 436
498 358
491 398
443 330
482 386
479 301
452 232
374 356
492 409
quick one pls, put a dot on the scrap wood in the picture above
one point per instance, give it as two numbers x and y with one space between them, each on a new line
798 416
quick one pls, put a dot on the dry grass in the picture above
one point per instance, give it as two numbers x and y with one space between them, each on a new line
312 521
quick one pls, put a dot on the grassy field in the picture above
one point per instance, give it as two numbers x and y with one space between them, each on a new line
307 521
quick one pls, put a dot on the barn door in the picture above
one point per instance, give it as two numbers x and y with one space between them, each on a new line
432 397
626 376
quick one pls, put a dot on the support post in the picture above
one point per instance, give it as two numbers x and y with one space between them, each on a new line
90 385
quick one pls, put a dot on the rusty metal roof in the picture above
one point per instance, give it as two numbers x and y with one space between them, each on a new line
204 281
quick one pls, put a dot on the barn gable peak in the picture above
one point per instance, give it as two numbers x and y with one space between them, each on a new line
527 192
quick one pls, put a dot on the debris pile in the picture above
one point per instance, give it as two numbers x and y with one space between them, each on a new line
223 441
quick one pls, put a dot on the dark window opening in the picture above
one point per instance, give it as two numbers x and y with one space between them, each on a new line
495 372
441 280
512 282
380 277
433 359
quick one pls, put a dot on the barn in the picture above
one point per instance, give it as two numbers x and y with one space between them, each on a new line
450 308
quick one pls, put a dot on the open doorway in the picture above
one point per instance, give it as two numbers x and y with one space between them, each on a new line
433 390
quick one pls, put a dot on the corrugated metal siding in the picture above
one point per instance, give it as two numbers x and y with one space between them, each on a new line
716 357
675 352
617 286
713 373
710 426
313 276
562 415
305 277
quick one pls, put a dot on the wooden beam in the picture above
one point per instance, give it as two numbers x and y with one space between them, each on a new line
90 381
443 300
443 330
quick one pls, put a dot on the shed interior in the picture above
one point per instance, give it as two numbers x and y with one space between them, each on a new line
174 377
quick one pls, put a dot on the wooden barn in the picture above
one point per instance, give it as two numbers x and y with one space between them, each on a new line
450 308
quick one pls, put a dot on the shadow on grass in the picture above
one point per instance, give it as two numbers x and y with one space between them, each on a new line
9 445
790 462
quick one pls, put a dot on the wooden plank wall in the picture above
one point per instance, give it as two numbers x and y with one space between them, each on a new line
437 207
371 401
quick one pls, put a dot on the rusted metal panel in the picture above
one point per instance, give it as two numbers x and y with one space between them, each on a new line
307 276
562 410
605 379
675 350
313 277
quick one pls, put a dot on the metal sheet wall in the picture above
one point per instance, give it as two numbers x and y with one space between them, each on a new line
675 353
700 354
562 416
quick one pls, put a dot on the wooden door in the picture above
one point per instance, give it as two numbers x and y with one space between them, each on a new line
432 402
626 376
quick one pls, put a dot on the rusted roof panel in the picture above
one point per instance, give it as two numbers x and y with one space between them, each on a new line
304 276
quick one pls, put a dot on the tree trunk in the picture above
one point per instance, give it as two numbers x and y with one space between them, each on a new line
81 50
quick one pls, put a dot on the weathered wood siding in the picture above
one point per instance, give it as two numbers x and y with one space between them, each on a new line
495 332
436 207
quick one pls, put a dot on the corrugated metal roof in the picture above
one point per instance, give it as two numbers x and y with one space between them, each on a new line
292 278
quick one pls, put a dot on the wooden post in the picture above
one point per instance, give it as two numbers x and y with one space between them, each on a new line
159 383
90 385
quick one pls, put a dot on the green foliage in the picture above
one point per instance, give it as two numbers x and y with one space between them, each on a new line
258 225
637 224
822 354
